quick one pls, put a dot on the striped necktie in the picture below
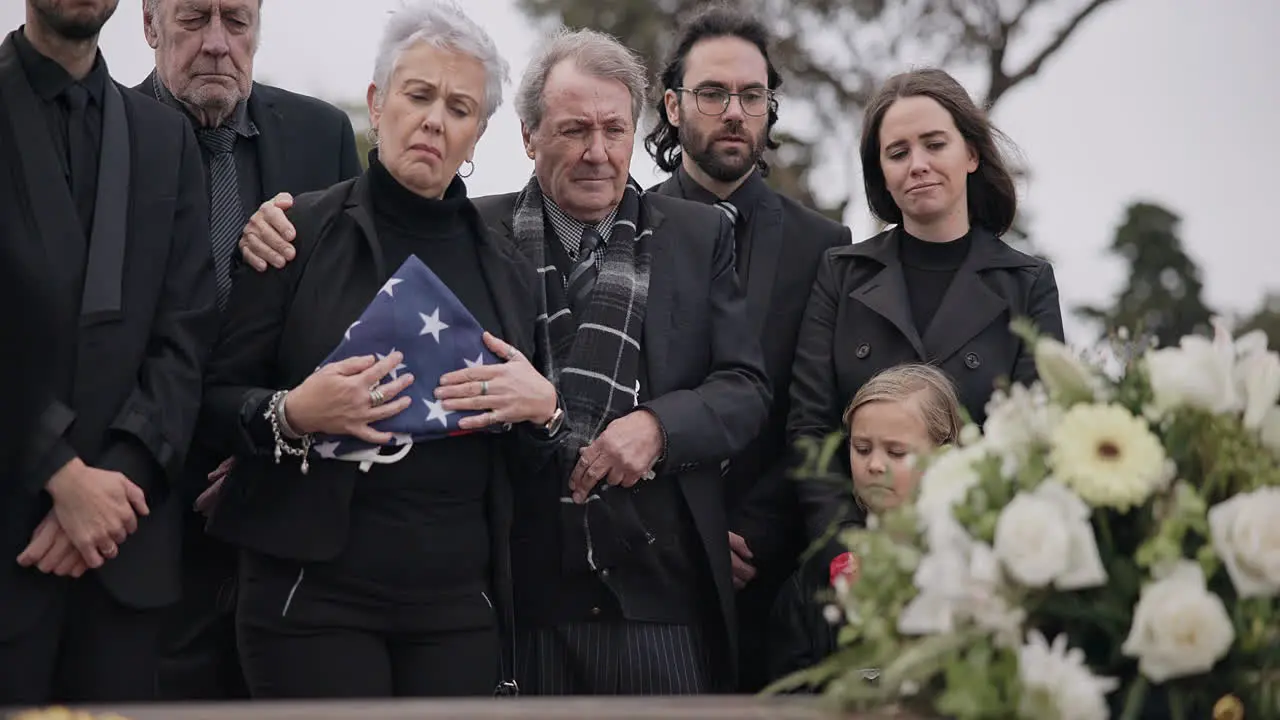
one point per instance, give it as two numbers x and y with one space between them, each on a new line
582 279
226 217
730 211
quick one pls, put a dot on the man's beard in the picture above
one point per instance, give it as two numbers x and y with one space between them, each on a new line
721 166
72 27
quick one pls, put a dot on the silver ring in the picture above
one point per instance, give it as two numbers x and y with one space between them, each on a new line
511 352
484 388
375 396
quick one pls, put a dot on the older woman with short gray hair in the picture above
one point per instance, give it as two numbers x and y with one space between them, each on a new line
385 571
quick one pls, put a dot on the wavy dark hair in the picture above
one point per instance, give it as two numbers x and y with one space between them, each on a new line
715 21
993 199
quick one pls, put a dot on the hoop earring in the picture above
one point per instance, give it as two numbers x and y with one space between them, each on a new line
468 173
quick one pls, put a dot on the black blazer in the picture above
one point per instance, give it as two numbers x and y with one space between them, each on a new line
126 374
706 383
303 145
858 323
761 499
279 326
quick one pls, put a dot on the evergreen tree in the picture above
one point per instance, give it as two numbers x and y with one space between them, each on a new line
1162 299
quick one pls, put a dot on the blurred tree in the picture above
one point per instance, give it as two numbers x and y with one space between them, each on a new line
1266 318
833 54
359 114
1163 297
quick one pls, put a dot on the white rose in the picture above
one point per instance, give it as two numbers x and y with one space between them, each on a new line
1044 537
1056 682
948 478
1179 627
1246 535
959 582
1068 379
1017 421
1258 380
1270 431
1198 373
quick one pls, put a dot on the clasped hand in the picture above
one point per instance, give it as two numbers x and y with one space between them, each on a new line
621 455
94 511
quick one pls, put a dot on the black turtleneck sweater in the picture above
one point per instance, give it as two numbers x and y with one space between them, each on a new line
928 268
418 550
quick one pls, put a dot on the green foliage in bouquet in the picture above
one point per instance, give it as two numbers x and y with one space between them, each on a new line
1108 544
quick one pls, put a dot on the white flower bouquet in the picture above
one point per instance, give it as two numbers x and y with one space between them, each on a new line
1106 547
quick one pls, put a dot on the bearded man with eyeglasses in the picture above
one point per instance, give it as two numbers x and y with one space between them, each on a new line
715 115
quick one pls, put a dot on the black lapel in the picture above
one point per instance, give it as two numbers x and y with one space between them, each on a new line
660 303
885 293
358 207
270 144
500 273
765 247
969 305
104 274
50 197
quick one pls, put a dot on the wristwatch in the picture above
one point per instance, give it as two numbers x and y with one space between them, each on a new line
553 425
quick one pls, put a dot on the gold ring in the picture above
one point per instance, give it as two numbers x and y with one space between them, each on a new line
375 396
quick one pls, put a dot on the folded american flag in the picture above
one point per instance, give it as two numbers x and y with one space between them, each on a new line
418 315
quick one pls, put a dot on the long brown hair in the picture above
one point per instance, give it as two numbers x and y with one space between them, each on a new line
993 199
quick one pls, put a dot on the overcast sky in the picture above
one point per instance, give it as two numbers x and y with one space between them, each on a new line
1176 101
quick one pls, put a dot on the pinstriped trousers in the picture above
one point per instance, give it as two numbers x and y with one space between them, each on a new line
612 658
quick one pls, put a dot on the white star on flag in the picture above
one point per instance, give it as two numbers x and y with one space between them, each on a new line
327 449
431 324
347 335
475 363
390 287
395 372
436 411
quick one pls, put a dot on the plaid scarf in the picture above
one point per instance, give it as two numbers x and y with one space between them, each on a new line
594 360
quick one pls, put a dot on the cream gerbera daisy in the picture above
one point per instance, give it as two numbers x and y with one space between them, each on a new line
1108 456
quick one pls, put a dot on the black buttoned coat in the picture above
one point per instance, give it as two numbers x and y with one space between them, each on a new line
858 323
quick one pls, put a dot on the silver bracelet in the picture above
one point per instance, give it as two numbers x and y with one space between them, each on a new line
282 417
282 444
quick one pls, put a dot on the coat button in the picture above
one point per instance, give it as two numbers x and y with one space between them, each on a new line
863 351
972 361
595 611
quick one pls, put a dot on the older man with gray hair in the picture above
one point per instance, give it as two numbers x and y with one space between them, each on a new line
645 333
256 141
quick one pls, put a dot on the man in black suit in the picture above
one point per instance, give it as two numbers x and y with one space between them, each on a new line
662 378
714 118
106 199
256 141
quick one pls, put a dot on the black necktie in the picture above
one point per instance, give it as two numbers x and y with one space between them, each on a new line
582 279
226 217
82 161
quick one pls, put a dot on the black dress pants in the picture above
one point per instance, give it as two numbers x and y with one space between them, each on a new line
200 661
297 642
86 648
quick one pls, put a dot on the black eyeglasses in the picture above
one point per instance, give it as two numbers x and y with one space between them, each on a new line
715 101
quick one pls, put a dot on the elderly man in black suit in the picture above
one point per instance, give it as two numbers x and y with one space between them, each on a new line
715 114
621 555
104 196
256 141
662 378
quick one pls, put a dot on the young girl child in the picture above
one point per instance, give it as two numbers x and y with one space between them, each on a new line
901 413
